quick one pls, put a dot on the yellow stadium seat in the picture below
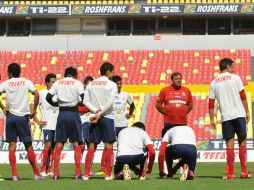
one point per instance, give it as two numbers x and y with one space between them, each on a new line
38 2
121 2
115 2
110 2
154 2
71 3
177 1
82 2
132 1
187 2
182 1
198 1
193 1
88 2
226 1
204 1
77 2
44 3
60 3
165 1
160 1
99 2
22 3
50 3
28 2
171 1
149 1
104 2
33 2
6 2
16 2
66 2
55 2
11 2
127 2
94 2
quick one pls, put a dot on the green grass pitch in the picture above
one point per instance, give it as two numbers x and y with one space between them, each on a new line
208 177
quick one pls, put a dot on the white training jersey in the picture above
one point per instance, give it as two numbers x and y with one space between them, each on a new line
119 106
180 135
226 88
68 91
48 113
17 97
132 141
100 95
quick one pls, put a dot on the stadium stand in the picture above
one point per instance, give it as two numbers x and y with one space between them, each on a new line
134 66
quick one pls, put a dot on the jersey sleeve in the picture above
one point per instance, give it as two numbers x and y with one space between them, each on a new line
31 87
2 87
40 96
239 84
161 97
87 100
211 93
52 90
129 100
80 88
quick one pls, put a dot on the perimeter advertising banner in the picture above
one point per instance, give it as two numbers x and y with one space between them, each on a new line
208 151
34 10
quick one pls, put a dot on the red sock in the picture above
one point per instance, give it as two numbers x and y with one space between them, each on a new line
89 161
109 158
83 147
12 159
32 159
57 155
77 155
44 158
243 158
50 161
231 161
103 162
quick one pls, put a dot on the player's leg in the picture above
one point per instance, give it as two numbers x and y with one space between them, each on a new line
45 152
189 157
228 132
169 160
89 160
11 137
241 131
108 138
118 168
51 154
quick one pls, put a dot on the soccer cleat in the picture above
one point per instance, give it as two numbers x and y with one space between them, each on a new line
38 177
1 179
190 175
85 178
55 177
50 174
142 178
126 172
184 175
79 177
226 177
100 173
16 178
245 175
93 174
108 178
163 175
43 174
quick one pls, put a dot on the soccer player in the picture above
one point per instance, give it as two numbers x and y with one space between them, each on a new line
174 102
121 117
130 152
48 123
69 91
99 98
17 116
182 142
228 89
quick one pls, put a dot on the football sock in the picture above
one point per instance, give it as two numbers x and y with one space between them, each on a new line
57 155
109 158
77 156
89 161
231 161
12 159
44 158
243 158
103 163
32 159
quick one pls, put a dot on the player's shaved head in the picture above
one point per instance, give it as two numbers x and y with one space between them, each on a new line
14 70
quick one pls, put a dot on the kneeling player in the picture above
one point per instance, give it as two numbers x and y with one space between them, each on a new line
130 152
183 147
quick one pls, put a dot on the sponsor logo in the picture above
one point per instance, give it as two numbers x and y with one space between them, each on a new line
161 9
135 9
77 10
21 10
247 8
217 8
177 102
6 10
190 8
49 10
114 9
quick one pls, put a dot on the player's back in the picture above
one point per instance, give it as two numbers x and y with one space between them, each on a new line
226 88
132 141
68 91
180 135
17 90
100 92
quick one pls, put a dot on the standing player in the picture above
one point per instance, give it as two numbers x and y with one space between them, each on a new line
174 102
121 117
99 98
68 91
49 116
131 143
228 89
182 146
17 116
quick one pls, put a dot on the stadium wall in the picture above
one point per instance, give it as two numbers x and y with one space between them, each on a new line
101 42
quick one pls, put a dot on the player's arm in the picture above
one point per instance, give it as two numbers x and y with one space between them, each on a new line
161 157
159 107
132 108
35 118
245 104
49 98
35 104
87 102
211 103
190 103
151 153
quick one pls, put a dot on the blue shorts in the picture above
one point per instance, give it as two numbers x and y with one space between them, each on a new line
18 126
131 160
187 153
234 126
118 130
85 131
49 135
68 126
103 131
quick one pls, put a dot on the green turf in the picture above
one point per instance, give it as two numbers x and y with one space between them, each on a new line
208 176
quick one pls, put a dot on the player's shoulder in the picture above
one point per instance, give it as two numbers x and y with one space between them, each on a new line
165 89
43 91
